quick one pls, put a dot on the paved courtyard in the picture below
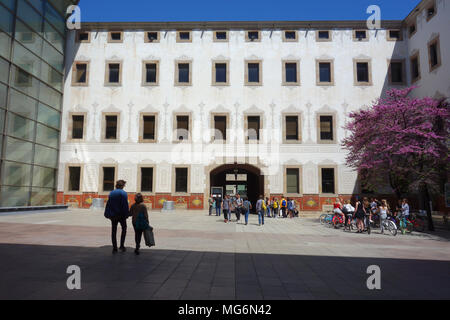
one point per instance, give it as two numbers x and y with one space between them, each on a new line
200 257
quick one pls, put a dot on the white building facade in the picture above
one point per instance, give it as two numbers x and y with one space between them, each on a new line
183 110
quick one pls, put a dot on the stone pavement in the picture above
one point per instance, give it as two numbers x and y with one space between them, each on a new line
200 257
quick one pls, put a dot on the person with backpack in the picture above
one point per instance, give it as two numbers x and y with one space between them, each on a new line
275 207
117 210
260 209
139 214
246 206
283 206
238 207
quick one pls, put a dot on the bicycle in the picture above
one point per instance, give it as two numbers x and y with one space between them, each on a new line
388 224
326 218
337 221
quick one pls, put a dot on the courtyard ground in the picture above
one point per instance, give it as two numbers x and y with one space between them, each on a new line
200 257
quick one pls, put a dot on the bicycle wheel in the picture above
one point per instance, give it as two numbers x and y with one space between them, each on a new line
392 228
322 218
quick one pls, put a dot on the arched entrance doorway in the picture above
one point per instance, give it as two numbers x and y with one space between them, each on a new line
244 179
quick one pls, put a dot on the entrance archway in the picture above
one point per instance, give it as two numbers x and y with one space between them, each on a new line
244 179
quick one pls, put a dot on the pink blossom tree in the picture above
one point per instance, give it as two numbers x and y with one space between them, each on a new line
402 141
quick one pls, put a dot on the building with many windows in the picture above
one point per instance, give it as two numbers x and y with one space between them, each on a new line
32 41
181 110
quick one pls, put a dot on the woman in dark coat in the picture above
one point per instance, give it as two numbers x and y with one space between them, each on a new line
136 208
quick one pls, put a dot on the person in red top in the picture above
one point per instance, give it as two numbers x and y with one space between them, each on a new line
337 208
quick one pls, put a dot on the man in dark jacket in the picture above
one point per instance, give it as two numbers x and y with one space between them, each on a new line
117 210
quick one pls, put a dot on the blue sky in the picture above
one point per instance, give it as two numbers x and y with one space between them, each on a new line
235 10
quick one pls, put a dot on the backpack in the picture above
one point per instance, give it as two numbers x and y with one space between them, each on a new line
141 222
283 203
109 214
263 205
246 205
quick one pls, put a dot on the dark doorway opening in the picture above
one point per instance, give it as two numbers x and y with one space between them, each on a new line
239 178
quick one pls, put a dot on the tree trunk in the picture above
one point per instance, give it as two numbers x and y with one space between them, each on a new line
426 204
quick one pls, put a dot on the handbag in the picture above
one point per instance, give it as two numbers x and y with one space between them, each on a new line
149 237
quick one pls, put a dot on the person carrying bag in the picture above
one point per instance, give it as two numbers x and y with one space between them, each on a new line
141 225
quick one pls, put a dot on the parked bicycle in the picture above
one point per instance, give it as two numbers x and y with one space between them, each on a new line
388 224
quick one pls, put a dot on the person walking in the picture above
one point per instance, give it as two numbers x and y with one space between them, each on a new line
290 212
260 204
239 207
139 218
246 206
227 208
349 212
383 211
360 214
218 205
283 206
275 207
117 210
210 202
268 208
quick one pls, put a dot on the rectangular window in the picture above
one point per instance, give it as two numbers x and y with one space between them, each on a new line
220 36
184 36
394 35
151 73
324 72
415 68
115 37
360 35
77 127
113 73
291 73
253 73
148 128
412 29
74 179
183 73
254 126
83 36
292 128
80 73
109 176
292 180
396 72
253 36
220 126
182 128
328 183
181 180
111 127
431 10
221 73
290 36
146 179
363 72
323 36
434 54
326 128
151 36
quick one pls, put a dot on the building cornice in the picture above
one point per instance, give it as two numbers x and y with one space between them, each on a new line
237 25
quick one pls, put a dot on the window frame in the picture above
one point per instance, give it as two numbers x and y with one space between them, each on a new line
334 128
144 73
103 136
261 124
111 40
389 38
300 188
213 126
246 73
141 127
221 40
176 78
227 63
411 58
283 65
321 83
402 61
175 127
432 5
414 23
329 39
139 179
336 191
366 39
179 40
107 66
70 126
77 36
290 40
147 40
74 70
101 177
434 41
355 72
284 128
67 178
247 38
174 180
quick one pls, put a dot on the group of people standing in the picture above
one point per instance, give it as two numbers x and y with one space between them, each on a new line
369 208
241 206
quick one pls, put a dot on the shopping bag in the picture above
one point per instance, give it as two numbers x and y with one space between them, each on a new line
149 237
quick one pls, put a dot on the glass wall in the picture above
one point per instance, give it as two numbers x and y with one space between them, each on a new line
32 37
